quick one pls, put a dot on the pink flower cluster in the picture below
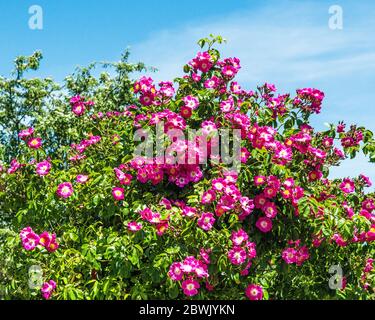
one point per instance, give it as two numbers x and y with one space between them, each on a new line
227 196
149 95
190 104
309 99
264 137
202 62
367 210
26 133
30 240
364 236
340 241
179 174
295 253
369 267
216 74
351 138
242 250
32 142
301 140
273 186
171 120
47 289
122 177
148 91
114 114
79 105
190 271
229 67
82 146
155 218
277 105
14 166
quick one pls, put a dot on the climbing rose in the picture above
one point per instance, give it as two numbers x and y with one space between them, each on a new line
254 292
289 255
237 255
175 272
206 221
190 287
81 178
264 224
43 168
29 239
35 143
64 190
47 289
239 237
347 185
134 226
48 241
118 193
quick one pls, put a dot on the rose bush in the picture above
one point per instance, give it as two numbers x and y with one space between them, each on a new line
103 224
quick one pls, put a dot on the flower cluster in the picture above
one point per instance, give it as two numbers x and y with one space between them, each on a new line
202 62
28 136
79 105
149 95
351 138
30 240
82 146
369 267
47 289
14 166
295 253
309 99
242 250
264 137
189 271
227 196
155 218
190 103
179 174
272 187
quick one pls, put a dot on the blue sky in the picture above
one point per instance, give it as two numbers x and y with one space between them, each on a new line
288 43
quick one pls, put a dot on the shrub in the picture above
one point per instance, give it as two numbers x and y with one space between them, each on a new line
95 222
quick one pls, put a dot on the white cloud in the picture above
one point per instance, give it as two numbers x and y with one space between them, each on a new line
272 45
